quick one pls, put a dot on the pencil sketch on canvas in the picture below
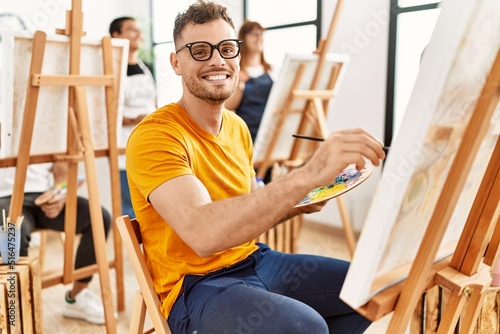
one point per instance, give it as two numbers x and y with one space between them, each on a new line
456 62
51 121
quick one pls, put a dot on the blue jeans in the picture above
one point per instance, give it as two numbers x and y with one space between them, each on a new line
125 194
269 293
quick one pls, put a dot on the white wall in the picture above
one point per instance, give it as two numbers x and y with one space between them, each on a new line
47 15
362 32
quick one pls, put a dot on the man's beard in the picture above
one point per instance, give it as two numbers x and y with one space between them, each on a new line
216 95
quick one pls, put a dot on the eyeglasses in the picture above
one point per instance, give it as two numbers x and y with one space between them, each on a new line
201 51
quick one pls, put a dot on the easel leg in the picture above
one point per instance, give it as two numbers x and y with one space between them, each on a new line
296 226
347 225
95 208
473 309
452 312
16 204
70 224
114 170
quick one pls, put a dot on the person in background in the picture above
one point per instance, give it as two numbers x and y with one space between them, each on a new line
193 188
255 82
43 209
140 95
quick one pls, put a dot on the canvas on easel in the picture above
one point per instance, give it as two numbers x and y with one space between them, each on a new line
282 147
52 115
445 106
80 145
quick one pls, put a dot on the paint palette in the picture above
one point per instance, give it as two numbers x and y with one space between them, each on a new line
345 181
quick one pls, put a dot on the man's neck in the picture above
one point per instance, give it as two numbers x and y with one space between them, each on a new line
207 116
133 57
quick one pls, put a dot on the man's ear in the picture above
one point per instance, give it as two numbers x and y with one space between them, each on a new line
174 61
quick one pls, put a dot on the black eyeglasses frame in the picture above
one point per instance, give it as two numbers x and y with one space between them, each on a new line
212 47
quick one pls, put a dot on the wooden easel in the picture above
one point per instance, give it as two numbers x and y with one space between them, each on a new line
79 146
314 114
466 274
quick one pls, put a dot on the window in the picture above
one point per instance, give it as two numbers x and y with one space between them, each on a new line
406 46
296 32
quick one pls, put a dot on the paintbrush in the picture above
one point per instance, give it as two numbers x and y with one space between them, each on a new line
386 148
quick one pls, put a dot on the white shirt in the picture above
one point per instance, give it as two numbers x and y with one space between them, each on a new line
255 71
139 99
38 179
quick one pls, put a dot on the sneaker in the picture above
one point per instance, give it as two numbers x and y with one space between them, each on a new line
86 306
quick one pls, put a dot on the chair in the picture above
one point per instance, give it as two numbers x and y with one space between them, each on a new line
146 297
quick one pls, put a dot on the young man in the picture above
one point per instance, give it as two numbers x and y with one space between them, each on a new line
195 195
140 95
81 302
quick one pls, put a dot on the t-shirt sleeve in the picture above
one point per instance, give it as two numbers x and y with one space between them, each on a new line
155 154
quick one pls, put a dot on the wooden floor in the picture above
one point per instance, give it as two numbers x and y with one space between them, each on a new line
314 239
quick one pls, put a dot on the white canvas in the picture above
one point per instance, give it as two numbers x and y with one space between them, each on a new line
51 121
278 95
453 71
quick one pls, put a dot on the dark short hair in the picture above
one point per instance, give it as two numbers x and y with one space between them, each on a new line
199 13
116 24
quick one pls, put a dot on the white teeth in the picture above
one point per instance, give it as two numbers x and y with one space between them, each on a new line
216 77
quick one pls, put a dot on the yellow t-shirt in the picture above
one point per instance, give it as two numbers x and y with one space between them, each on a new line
167 144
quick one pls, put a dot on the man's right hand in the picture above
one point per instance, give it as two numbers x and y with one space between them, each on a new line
341 149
